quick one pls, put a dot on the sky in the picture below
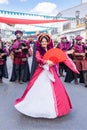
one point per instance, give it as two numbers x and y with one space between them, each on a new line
46 7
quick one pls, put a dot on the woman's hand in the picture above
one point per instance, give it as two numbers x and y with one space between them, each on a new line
49 62
3 54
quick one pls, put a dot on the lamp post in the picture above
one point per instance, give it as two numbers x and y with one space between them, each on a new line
86 27
77 14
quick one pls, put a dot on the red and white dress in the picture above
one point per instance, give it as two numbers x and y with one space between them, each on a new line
45 95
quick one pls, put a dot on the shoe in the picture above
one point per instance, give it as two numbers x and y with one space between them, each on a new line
21 82
17 81
1 81
76 81
86 86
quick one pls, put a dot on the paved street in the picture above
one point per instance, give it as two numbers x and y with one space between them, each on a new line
11 119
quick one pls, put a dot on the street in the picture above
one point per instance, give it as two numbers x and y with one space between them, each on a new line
11 119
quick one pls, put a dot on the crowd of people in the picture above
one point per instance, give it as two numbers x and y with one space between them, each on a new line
45 95
19 51
78 53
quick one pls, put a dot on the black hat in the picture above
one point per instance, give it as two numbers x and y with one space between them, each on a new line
18 31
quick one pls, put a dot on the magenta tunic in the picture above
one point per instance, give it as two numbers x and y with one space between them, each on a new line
79 60
64 45
19 57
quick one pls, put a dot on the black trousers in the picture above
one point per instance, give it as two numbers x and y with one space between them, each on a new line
85 76
19 71
1 71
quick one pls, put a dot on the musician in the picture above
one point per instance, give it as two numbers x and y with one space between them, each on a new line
64 45
80 59
3 56
20 72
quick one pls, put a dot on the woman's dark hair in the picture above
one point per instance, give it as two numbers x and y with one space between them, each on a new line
43 38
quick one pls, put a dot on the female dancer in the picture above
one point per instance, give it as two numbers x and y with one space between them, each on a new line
45 95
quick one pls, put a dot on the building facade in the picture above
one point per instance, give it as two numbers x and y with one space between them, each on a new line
78 26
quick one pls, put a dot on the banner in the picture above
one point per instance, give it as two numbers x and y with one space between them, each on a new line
4 12
27 21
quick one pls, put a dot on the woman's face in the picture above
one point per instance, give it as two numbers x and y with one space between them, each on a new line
44 43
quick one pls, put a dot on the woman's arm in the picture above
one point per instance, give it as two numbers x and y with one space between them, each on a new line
39 58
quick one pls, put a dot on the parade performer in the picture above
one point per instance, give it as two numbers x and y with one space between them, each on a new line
64 45
45 95
34 61
80 59
3 57
19 48
30 43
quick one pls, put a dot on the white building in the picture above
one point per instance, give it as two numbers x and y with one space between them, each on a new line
77 26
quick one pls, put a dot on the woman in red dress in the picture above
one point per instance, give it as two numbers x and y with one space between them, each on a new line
45 95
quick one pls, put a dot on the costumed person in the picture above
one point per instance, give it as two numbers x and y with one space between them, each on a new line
84 64
3 57
80 60
69 77
19 49
30 43
34 61
64 45
45 95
